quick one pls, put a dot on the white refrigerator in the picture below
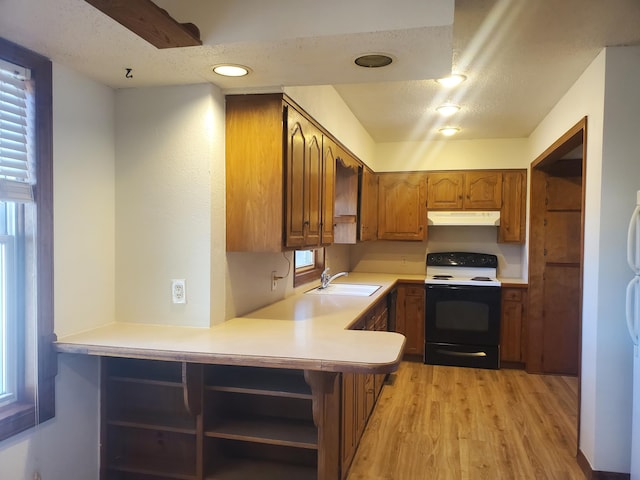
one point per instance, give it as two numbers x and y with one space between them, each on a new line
633 324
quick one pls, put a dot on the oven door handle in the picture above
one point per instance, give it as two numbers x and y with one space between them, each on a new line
462 354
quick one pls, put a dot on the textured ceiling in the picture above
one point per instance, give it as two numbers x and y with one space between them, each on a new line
520 56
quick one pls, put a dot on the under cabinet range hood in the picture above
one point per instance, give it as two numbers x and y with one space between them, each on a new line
463 218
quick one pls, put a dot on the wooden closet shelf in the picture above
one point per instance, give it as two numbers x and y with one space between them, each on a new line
155 421
242 469
158 471
272 431
253 381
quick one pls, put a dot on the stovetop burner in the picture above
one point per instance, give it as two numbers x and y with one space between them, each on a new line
462 268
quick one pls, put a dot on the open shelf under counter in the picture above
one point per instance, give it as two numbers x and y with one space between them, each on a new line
252 380
271 431
132 473
126 473
151 452
151 382
244 469
148 371
155 421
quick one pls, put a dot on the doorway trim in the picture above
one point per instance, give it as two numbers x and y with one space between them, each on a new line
551 159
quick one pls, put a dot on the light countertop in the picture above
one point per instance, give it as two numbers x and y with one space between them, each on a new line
515 282
301 331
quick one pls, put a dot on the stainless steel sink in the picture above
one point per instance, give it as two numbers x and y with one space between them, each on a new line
349 289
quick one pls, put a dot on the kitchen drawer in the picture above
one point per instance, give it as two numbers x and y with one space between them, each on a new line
418 290
512 294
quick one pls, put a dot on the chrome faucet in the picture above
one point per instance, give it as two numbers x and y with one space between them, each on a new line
326 279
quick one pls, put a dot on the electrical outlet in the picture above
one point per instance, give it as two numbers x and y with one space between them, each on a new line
404 260
37 476
274 281
178 291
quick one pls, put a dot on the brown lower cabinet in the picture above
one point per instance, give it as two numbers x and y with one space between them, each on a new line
410 317
360 391
512 326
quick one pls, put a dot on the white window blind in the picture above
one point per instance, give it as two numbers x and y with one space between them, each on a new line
16 171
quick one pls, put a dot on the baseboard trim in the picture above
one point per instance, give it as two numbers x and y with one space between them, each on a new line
595 474
513 365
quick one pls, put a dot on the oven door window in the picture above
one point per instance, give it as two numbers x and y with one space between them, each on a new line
463 314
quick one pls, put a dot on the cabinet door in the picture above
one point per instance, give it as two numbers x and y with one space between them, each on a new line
512 325
410 317
303 182
313 186
445 191
512 216
368 217
328 192
402 213
483 190
254 173
349 420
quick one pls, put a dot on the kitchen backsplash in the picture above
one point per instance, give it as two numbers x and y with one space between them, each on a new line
409 257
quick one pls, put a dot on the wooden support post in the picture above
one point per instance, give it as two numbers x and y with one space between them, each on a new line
326 416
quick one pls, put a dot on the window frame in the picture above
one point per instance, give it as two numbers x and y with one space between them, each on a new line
307 275
10 339
32 408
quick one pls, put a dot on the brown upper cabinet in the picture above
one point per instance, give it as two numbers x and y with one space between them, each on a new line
472 190
513 212
303 181
368 206
504 190
328 182
280 174
402 213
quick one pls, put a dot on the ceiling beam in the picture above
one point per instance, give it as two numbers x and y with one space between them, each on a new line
152 23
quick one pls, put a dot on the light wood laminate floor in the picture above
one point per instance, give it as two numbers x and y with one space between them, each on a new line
453 423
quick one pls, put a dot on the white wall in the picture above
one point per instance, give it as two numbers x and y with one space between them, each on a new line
607 94
620 181
168 140
451 155
326 106
66 447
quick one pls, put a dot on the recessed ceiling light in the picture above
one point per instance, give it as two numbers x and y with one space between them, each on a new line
451 80
230 70
373 60
448 131
448 109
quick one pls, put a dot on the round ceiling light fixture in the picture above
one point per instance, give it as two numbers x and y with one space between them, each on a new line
448 131
448 109
231 70
373 60
452 80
